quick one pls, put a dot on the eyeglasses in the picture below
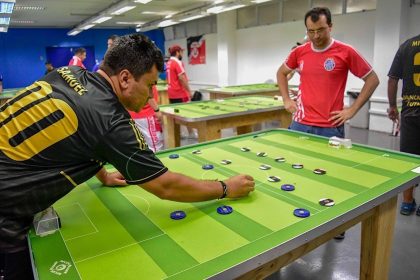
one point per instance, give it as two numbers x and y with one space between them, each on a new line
317 31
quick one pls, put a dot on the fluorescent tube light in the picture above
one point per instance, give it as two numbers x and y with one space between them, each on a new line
6 7
166 23
101 19
231 8
74 32
86 27
5 20
123 10
259 1
142 1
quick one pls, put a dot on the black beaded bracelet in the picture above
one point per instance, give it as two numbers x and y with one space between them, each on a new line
157 110
225 189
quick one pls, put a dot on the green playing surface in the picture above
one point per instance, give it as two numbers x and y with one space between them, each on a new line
202 109
9 93
126 233
246 88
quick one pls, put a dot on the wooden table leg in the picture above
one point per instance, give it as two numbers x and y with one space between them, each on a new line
172 133
377 237
208 131
243 129
285 119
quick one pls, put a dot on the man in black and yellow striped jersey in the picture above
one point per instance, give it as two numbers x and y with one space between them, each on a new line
62 129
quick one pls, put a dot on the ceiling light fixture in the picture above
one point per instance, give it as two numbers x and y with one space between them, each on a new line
166 23
4 20
6 6
122 10
29 8
142 1
101 19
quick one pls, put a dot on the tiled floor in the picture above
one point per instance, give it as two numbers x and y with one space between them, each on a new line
339 260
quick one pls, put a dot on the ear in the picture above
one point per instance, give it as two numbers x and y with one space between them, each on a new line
124 78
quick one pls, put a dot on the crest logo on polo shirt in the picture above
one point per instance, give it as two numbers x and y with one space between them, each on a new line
329 64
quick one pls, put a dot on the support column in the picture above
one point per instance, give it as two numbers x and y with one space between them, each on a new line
226 48
391 22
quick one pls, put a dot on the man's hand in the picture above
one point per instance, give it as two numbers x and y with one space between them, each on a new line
111 178
239 185
393 113
290 105
340 117
159 116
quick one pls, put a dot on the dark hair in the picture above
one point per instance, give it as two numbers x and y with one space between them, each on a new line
113 37
47 62
316 12
80 51
134 52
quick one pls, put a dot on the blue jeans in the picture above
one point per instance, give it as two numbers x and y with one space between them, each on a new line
323 131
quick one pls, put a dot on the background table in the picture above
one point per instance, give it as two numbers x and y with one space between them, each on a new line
210 116
8 93
126 233
240 90
162 88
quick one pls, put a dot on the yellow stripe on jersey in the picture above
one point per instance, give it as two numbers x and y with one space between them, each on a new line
49 120
68 178
139 136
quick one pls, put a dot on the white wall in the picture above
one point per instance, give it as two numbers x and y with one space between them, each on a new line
200 75
262 50
413 22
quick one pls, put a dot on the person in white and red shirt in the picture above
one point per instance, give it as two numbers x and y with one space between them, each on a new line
78 58
323 64
148 120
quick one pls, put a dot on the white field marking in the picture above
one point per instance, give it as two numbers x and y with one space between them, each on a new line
372 159
84 213
71 257
215 257
120 248
297 202
137 196
416 170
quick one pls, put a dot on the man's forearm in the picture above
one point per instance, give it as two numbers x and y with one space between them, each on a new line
371 83
392 92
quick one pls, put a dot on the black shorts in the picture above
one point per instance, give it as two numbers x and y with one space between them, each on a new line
410 135
175 100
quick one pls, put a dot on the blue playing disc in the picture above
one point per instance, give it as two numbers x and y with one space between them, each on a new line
178 215
288 187
208 166
173 156
301 213
224 210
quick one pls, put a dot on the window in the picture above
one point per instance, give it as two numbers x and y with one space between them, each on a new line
268 14
360 5
295 9
247 17
335 6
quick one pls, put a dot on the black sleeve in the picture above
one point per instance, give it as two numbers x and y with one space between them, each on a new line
125 148
396 70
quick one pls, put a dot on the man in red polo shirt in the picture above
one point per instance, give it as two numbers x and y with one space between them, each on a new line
178 87
78 58
323 64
